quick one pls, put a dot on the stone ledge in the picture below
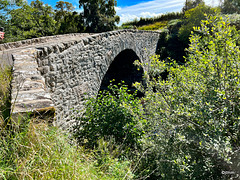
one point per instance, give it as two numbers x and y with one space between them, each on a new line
29 93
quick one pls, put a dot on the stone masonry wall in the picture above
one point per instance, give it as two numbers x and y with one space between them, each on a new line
79 70
72 70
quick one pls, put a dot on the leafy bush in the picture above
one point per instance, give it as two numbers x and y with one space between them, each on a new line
113 114
194 114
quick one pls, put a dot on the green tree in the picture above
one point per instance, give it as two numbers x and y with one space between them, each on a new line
5 8
99 15
3 15
68 21
230 6
43 15
193 17
71 23
30 21
62 9
194 114
189 4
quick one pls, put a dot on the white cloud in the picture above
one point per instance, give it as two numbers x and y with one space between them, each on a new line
148 9
117 8
149 14
153 8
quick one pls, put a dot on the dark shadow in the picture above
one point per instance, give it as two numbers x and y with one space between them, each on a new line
123 69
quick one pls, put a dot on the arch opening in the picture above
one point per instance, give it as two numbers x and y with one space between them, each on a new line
123 69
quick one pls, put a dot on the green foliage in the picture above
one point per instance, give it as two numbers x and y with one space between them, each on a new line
147 21
169 44
24 21
230 6
190 4
62 9
155 26
40 151
5 79
175 39
193 17
29 21
234 20
113 114
194 114
99 15
68 21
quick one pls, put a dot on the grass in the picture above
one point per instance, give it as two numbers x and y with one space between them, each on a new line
41 151
5 79
37 150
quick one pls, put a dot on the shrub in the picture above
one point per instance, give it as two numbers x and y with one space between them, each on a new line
113 114
194 114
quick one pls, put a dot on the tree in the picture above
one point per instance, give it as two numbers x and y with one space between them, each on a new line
231 6
5 8
3 15
189 4
193 17
99 15
43 15
68 21
62 9
30 21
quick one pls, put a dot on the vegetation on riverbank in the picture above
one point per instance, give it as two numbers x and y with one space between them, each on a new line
185 127
5 79
41 151
190 121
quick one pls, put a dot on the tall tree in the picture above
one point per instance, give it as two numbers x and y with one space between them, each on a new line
99 15
68 21
189 4
62 9
231 6
6 7
43 15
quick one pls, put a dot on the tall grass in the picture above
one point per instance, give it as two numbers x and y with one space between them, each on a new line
5 79
40 151
33 150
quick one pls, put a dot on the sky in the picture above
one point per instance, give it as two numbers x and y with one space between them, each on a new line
131 9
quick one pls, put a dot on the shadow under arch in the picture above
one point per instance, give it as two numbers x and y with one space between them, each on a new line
123 69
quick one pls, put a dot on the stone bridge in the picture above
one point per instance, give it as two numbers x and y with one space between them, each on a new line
58 72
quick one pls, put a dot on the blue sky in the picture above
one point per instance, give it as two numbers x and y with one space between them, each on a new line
131 9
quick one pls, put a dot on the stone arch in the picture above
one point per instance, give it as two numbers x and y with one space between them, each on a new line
122 68
70 70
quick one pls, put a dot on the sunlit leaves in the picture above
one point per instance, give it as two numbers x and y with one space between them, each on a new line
195 111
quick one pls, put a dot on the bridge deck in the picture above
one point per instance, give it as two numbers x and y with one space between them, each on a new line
7 49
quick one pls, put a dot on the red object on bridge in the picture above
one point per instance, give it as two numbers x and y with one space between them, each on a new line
1 35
